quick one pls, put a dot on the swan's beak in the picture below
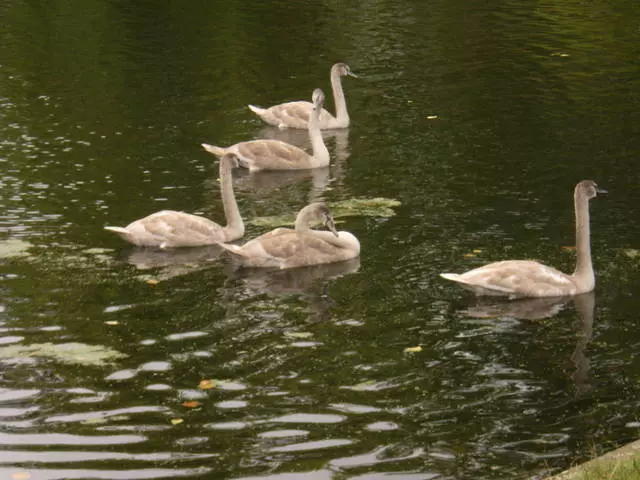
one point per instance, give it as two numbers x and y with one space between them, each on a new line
332 226
351 74
601 190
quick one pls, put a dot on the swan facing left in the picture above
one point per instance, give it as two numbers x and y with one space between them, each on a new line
168 228
526 278
299 247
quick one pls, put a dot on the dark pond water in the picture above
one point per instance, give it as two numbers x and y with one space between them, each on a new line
479 117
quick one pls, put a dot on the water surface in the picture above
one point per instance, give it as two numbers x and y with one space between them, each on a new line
479 119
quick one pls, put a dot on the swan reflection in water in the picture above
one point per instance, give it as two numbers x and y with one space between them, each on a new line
172 262
255 183
310 283
540 308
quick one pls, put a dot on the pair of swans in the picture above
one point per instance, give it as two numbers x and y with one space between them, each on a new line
297 114
280 248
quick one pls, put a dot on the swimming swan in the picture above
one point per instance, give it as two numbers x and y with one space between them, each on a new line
302 246
268 154
296 114
168 228
525 278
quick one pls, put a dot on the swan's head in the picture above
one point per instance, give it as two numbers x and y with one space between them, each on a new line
588 189
343 70
318 99
229 160
316 213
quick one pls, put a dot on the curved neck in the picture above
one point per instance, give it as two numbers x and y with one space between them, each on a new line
584 269
231 211
320 153
338 97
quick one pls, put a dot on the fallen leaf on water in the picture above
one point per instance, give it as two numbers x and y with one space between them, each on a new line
206 384
477 250
568 248
469 255
152 281
413 349
191 404
20 475
112 322
432 117
176 421
298 334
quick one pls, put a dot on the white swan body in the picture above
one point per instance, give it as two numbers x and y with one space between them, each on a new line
168 228
268 154
289 248
297 114
524 278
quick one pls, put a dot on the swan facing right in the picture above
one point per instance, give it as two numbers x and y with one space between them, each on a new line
526 278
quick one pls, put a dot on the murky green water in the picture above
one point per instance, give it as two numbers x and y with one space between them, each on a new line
478 117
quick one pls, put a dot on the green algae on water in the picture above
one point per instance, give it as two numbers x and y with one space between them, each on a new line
379 207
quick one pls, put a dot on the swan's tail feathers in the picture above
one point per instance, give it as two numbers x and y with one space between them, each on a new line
217 151
229 247
455 277
123 232
257 110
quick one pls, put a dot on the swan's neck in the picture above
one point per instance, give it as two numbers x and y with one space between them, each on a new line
231 211
338 98
320 153
584 269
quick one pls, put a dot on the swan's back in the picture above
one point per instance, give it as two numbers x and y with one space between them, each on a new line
515 278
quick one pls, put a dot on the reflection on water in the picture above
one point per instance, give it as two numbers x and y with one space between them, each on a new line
542 308
172 262
254 183
311 283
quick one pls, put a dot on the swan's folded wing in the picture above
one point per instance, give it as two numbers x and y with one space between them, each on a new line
293 114
272 155
517 278
172 228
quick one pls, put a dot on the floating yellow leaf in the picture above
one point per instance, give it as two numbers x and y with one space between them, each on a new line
568 248
112 322
152 281
191 404
20 476
206 384
432 117
176 421
413 349
477 250
469 255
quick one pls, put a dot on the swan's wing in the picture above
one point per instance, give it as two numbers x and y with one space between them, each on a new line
169 228
292 114
516 278
271 155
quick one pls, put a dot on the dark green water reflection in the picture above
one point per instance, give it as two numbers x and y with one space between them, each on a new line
478 117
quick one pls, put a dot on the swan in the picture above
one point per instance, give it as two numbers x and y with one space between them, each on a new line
297 114
268 154
525 278
289 248
168 228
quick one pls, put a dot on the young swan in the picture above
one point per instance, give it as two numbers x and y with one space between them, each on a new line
269 154
524 278
168 228
287 248
296 114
